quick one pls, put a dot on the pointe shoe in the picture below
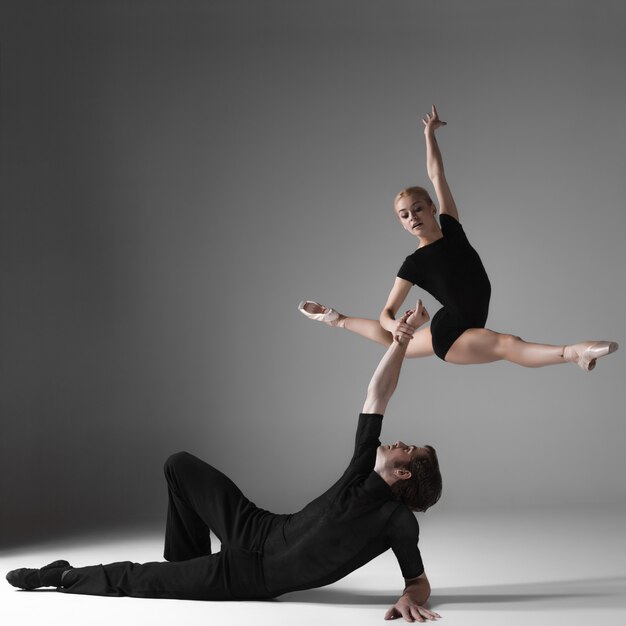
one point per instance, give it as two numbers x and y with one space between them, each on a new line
316 311
587 360
31 578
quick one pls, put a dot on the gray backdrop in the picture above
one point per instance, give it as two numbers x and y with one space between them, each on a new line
178 174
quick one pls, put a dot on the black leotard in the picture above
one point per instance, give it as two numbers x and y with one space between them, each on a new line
451 271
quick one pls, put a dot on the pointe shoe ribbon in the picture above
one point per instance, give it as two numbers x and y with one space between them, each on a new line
587 360
327 315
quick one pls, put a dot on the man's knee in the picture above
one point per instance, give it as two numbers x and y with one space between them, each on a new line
176 461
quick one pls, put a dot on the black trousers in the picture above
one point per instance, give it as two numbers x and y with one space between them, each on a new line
201 499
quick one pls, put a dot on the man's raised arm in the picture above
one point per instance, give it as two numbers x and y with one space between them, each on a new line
384 382
385 378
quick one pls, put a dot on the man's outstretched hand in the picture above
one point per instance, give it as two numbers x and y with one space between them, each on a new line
409 322
410 610
418 315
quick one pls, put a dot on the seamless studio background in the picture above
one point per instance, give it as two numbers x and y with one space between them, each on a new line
178 175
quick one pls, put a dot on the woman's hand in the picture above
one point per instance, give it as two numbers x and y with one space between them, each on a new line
432 122
417 316
410 322
403 332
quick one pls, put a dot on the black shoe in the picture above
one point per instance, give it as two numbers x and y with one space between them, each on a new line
47 576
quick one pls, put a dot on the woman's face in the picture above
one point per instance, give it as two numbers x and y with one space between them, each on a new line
416 214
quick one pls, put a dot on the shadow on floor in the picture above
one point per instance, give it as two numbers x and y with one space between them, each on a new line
607 592
598 593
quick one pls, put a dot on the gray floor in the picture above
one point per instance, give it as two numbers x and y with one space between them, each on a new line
488 567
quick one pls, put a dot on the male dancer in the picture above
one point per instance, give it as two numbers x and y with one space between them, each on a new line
264 555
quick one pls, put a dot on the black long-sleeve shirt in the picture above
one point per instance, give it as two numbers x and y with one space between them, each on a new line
357 519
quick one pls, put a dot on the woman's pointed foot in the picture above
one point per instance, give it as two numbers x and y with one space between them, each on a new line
316 311
586 354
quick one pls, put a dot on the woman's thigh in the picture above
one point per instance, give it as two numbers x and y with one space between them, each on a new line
421 345
474 346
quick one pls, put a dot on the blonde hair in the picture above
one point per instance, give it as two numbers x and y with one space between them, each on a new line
413 191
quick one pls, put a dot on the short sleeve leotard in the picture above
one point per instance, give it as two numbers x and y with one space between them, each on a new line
451 271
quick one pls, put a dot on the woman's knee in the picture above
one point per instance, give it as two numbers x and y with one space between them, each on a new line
506 343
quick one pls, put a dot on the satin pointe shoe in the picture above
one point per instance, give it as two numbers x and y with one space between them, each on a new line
31 578
316 311
587 360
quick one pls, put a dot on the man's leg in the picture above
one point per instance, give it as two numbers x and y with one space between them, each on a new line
202 499
30 578
228 575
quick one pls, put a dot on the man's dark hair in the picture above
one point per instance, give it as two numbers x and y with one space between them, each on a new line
423 488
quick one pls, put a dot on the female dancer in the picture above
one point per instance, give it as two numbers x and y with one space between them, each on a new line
446 265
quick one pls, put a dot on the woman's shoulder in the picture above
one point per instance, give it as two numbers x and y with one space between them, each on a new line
450 226
447 221
409 268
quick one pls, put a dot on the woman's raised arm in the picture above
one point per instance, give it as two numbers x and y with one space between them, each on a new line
434 165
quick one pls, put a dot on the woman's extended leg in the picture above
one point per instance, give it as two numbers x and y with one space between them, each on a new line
481 345
474 346
421 344
370 329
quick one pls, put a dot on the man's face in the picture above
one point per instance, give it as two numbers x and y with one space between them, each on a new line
399 454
